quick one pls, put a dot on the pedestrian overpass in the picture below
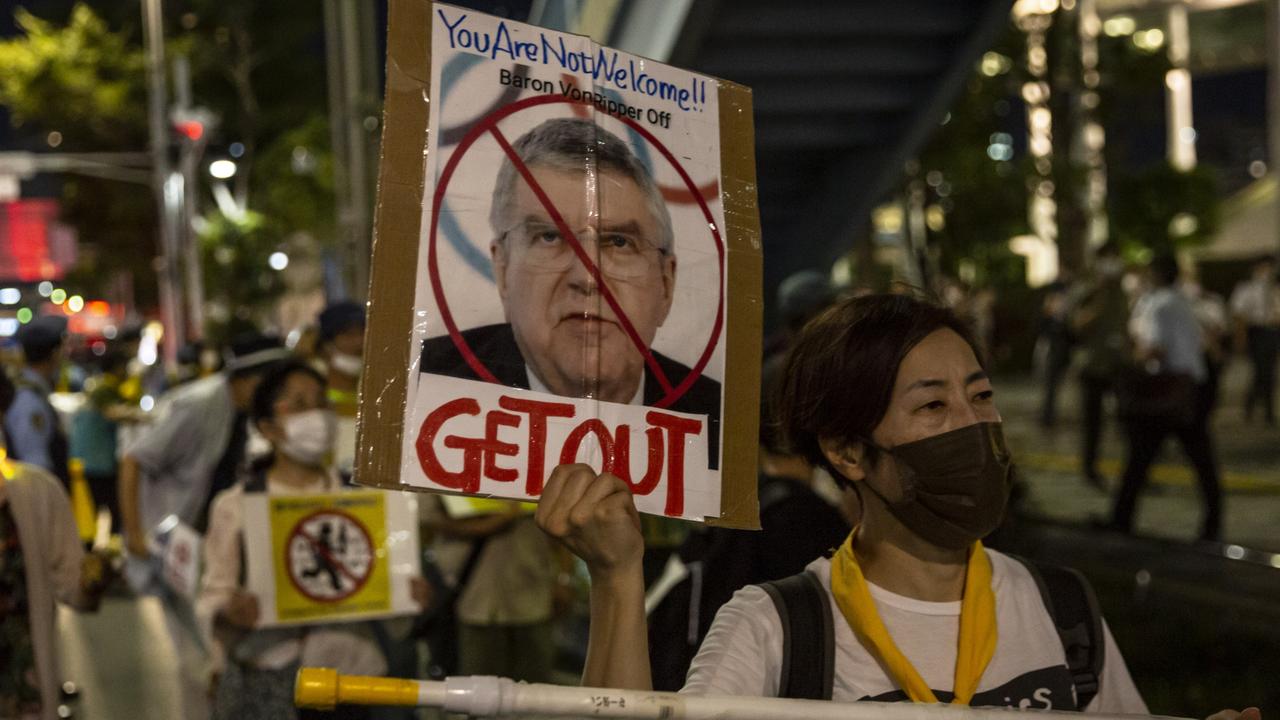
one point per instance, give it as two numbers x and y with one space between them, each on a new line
845 93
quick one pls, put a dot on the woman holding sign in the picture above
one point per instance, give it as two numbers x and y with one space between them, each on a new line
888 393
258 664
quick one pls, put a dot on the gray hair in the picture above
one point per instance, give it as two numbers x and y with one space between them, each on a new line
574 144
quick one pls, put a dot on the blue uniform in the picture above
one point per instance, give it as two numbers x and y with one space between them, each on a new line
34 433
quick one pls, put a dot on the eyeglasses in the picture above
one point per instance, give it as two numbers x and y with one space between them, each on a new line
619 255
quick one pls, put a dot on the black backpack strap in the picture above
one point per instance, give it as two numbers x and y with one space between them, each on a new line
808 638
1070 600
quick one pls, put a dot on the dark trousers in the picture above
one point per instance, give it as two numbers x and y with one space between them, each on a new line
105 494
1057 363
1145 440
1093 391
1264 347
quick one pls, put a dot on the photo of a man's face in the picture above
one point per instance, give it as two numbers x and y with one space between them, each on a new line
570 337
583 256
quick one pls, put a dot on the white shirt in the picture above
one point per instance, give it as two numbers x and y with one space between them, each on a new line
180 449
1255 301
1163 320
742 654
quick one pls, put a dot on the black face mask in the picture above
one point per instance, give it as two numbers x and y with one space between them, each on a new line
955 486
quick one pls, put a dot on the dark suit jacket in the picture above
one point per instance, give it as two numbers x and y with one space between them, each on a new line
495 346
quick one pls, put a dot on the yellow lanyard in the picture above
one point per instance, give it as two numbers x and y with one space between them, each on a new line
977 641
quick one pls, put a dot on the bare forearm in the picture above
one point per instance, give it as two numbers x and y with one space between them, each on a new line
618 649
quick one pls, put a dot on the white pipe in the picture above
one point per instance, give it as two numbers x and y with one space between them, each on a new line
484 696
499 697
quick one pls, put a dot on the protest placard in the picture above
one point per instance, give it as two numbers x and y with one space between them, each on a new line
332 557
572 275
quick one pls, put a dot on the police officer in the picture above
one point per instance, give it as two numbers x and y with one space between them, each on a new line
36 436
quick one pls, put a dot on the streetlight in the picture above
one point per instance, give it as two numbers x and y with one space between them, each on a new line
222 169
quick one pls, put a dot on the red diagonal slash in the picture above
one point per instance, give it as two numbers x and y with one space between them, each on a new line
578 250
324 552
433 267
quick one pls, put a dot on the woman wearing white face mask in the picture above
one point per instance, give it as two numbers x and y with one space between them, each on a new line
257 666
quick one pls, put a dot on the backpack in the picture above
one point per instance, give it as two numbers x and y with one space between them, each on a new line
808 635
717 562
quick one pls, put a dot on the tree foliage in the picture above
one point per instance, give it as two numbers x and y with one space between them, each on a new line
983 200
1160 209
238 281
258 66
81 78
87 82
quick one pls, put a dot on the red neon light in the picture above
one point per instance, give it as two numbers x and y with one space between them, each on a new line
24 237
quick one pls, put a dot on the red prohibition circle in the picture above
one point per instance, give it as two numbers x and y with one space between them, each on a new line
489 123
296 533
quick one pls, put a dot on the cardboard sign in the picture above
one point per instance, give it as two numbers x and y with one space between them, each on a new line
573 275
332 557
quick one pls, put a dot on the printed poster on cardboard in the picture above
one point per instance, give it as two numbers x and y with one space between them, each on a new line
570 287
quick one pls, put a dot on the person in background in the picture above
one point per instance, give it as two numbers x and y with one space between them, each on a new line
1167 336
341 345
982 315
41 563
304 342
194 448
256 666
1215 326
509 580
801 296
1100 322
189 363
93 432
1053 348
31 423
1255 306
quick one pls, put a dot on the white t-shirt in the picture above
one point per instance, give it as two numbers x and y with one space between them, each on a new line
1163 319
742 654
1256 302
